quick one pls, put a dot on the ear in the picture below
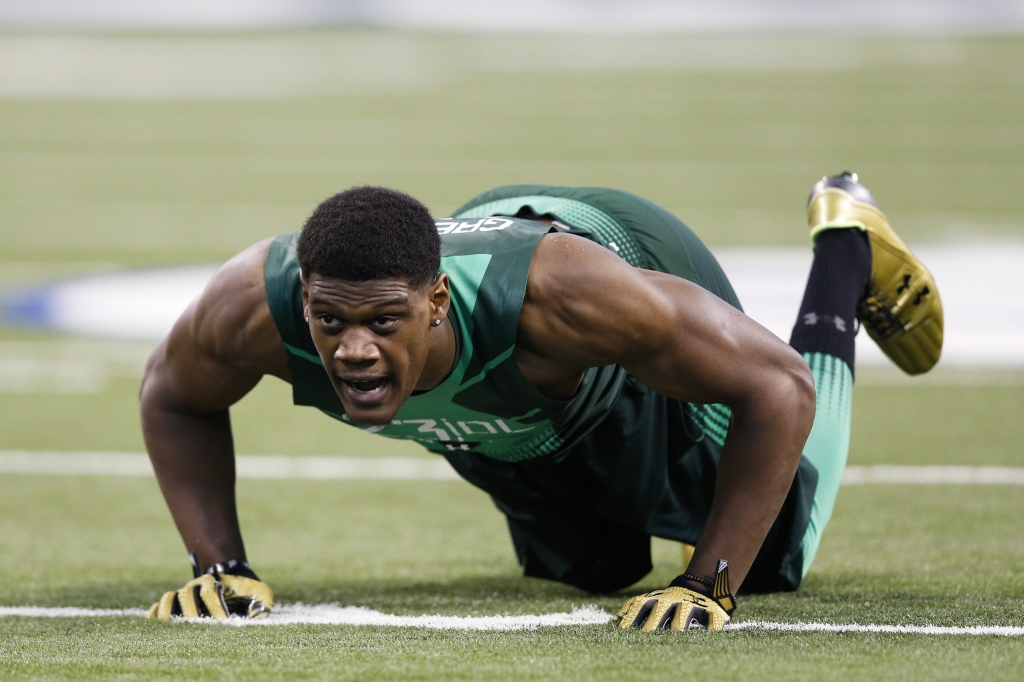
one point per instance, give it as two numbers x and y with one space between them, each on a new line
440 297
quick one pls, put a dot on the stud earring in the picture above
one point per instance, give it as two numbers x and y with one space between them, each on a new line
437 323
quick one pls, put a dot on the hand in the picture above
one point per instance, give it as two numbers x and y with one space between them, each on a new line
675 608
679 607
217 594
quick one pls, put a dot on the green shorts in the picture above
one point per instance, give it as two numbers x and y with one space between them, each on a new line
585 516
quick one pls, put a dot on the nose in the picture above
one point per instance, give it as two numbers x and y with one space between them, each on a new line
356 347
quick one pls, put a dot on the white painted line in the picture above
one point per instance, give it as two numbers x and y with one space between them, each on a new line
415 469
923 475
248 466
1000 630
941 376
336 614
75 463
345 468
66 612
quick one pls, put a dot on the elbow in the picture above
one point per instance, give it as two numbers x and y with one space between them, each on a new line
149 374
154 380
803 396
148 395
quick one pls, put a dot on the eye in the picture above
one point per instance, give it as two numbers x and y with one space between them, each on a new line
385 322
329 321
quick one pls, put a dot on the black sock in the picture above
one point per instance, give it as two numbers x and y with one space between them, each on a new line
827 322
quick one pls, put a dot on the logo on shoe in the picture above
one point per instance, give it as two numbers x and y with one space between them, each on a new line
906 287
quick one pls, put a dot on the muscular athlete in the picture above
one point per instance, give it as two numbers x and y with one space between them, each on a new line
576 353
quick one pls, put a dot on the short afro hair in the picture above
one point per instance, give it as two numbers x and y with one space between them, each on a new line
367 233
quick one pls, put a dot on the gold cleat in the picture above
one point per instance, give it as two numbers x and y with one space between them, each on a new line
900 306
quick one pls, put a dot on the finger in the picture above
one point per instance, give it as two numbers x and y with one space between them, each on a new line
168 606
717 618
656 614
644 613
210 598
257 609
636 605
660 617
626 605
245 590
188 598
151 613
665 622
631 608
629 615
693 618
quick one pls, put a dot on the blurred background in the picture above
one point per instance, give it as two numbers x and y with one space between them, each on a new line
143 143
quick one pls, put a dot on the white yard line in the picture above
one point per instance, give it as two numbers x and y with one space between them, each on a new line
66 612
923 475
416 469
248 466
335 614
1001 630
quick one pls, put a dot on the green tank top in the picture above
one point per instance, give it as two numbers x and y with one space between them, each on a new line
486 405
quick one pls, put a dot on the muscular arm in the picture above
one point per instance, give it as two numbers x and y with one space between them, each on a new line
218 350
585 307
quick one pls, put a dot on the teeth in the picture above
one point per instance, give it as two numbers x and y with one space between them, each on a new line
367 386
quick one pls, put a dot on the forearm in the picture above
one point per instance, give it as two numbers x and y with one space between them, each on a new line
193 457
757 466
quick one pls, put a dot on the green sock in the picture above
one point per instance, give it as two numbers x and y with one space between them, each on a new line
829 442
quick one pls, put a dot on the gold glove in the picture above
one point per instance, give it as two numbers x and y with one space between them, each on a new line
680 608
217 594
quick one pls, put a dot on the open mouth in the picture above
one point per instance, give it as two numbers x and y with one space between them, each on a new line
368 391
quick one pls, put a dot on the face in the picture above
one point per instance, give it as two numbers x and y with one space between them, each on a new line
375 339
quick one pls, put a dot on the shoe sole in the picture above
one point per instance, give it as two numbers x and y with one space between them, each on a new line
901 308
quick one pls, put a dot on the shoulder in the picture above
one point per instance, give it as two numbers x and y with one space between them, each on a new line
569 268
582 298
231 320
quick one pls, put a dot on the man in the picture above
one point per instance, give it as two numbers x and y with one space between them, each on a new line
576 353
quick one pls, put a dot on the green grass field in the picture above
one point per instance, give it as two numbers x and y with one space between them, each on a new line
728 132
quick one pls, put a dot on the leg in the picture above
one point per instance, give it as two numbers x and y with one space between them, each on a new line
561 515
861 269
586 519
586 551
647 236
824 334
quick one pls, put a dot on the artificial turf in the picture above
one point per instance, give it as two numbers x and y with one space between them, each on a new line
940 555
726 131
